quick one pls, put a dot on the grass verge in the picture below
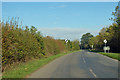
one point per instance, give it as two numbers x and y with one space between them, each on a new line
24 69
112 55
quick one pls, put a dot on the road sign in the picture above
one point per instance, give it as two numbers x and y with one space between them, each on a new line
105 41
66 40
106 48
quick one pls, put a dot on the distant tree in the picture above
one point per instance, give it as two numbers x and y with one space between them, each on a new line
75 45
111 34
85 39
116 29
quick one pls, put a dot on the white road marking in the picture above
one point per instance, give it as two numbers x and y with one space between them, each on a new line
93 73
84 60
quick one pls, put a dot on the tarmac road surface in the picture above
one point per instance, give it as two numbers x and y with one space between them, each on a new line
82 64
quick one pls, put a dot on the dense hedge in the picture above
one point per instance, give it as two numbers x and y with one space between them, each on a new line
23 44
53 46
20 45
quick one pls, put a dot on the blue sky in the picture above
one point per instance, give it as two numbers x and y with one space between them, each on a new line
60 0
62 19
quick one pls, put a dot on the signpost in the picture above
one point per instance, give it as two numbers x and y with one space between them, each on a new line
66 40
105 41
106 47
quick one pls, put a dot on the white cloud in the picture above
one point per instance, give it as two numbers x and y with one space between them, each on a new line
66 33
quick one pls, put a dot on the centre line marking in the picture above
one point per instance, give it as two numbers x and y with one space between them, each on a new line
84 60
93 73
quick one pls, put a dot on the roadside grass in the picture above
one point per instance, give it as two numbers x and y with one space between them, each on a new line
97 51
111 55
24 69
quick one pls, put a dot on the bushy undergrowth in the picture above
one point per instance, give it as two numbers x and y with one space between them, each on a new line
23 44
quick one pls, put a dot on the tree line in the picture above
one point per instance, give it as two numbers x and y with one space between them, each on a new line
111 34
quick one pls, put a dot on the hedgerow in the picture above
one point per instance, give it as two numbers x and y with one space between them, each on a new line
24 44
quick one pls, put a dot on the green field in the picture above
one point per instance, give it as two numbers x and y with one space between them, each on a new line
24 69
112 55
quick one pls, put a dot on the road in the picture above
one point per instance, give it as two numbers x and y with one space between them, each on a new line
82 64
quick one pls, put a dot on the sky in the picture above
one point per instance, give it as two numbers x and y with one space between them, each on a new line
62 20
59 0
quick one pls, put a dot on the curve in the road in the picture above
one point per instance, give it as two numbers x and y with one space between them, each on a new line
82 64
